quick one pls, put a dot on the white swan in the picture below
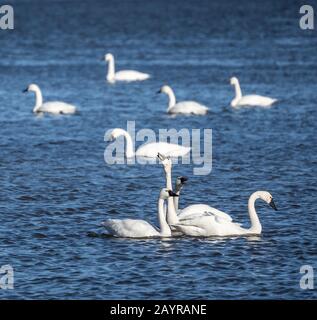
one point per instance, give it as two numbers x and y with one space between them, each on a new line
213 225
183 107
55 107
124 75
132 228
249 100
174 214
149 150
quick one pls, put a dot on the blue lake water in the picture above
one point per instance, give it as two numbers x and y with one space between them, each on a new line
55 187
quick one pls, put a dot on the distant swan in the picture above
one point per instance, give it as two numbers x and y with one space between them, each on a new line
132 228
55 107
183 107
149 150
249 100
212 225
176 215
124 75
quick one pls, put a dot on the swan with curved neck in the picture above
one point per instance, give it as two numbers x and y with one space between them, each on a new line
248 100
209 225
149 150
183 107
176 215
132 228
124 75
55 107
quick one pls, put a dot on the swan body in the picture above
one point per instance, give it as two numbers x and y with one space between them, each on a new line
131 228
149 150
195 210
214 225
248 100
184 107
124 75
54 107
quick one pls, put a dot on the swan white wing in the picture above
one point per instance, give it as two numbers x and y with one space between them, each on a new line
207 226
131 75
256 100
151 150
57 107
130 228
202 210
188 107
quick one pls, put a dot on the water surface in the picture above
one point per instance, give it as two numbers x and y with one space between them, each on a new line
56 187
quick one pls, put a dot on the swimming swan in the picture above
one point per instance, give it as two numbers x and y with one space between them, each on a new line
176 215
249 100
55 107
212 225
132 228
183 107
149 150
124 75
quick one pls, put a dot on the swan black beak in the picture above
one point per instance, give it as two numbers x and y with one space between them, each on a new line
272 205
161 157
172 194
25 90
160 91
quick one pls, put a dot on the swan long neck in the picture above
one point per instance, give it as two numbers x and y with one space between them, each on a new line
171 213
171 98
237 90
129 152
169 180
176 199
256 227
111 69
165 230
38 99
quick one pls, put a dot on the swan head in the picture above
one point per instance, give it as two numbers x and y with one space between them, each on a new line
115 133
268 198
165 89
166 193
180 181
166 162
234 81
32 87
108 57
